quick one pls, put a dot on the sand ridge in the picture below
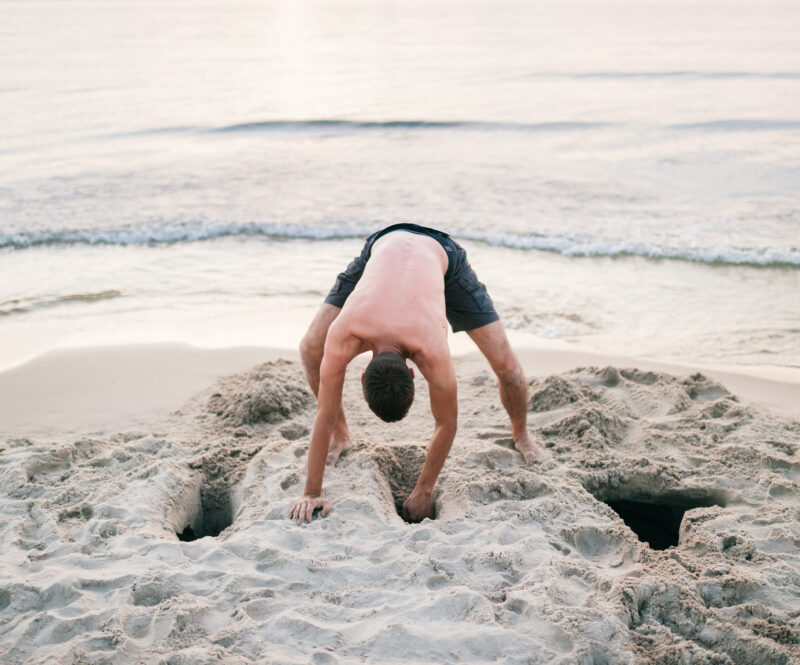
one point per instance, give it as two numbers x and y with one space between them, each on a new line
521 565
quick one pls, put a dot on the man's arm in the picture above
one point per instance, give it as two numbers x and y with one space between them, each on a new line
332 373
444 408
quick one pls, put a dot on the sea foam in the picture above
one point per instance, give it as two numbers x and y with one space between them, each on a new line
184 232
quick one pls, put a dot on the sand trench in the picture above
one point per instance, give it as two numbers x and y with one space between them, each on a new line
521 565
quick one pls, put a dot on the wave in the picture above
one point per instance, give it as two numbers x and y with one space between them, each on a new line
329 125
561 244
764 257
735 125
300 125
23 305
168 234
355 126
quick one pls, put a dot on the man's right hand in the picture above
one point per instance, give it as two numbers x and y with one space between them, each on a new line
417 507
304 508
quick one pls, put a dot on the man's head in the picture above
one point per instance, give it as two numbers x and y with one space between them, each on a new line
388 386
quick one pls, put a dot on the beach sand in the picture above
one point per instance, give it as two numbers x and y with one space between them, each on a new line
109 453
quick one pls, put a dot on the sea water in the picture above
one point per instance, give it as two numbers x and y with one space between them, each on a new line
624 175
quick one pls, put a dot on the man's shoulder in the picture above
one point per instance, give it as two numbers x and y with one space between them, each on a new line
433 356
349 321
341 344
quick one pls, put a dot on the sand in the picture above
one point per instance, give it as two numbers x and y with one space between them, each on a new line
521 565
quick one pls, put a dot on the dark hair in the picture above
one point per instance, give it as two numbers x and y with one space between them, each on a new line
388 386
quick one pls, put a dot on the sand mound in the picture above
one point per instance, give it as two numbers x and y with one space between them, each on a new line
665 530
270 393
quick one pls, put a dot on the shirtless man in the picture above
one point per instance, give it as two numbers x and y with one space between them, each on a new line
395 300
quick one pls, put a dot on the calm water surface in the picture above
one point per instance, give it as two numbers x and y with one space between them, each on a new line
625 175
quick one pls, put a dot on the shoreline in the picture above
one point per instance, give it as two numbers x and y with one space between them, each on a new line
100 388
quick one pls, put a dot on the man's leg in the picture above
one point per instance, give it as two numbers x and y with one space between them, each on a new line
492 341
312 348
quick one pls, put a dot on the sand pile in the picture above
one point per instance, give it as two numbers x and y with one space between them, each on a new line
522 565
267 394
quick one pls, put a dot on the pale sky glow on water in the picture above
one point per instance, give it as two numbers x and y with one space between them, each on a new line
625 174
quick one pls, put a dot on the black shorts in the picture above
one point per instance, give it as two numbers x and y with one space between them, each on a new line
468 305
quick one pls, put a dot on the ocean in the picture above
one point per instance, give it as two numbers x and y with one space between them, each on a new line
624 175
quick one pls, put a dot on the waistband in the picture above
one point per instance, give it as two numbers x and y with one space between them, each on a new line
448 244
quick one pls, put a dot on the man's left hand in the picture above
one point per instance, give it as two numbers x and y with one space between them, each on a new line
303 509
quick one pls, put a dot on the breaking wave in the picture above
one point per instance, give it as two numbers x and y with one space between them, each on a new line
174 233
564 245
757 256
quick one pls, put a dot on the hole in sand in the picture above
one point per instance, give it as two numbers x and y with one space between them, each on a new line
208 508
400 466
656 520
187 535
215 514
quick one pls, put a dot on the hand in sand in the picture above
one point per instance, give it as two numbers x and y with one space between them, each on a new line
418 506
531 451
303 509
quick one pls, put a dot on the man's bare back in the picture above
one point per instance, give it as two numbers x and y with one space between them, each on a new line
399 301
395 300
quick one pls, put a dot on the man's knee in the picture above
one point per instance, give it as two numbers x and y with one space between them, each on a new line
312 345
508 369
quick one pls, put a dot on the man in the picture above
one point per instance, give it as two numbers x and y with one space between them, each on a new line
395 300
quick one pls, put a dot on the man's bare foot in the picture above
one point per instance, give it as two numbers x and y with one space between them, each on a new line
531 451
339 443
